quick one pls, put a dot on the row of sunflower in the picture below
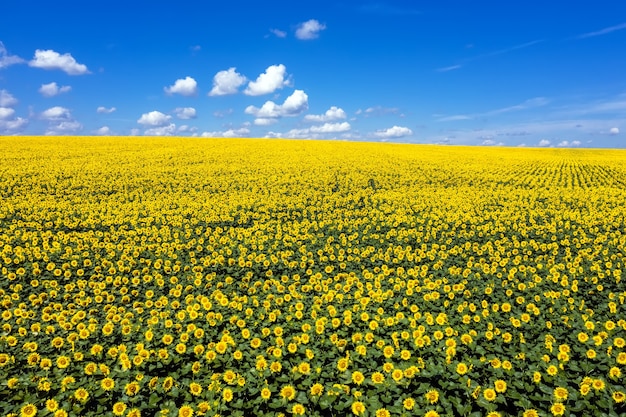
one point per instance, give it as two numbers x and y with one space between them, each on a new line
190 277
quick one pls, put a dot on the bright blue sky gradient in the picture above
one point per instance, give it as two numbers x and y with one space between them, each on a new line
512 73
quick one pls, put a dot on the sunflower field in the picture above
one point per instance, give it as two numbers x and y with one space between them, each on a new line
146 277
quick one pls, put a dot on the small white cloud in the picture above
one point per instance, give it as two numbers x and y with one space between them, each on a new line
331 128
223 113
7 60
544 142
56 113
264 121
154 118
134 131
614 131
7 99
230 133
185 113
104 110
271 80
393 132
450 68
52 89
12 126
168 130
278 33
227 82
65 127
50 60
309 30
6 113
184 86
104 130
293 105
332 114
575 143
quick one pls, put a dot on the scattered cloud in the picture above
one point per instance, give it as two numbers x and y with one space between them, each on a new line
271 80
568 144
154 118
603 31
614 131
7 99
332 114
52 89
450 68
264 121
454 118
230 133
331 128
7 60
64 128
56 113
309 30
168 130
104 110
185 113
12 126
527 104
184 86
104 130
378 111
227 82
544 143
223 113
293 105
51 60
6 113
489 54
278 33
491 142
393 132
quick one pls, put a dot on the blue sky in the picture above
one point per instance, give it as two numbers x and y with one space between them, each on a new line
472 73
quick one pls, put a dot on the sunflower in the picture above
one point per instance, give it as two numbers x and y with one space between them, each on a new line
185 411
619 397
288 392
598 384
530 413
195 389
134 412
28 410
500 386
266 393
489 394
432 396
382 412
81 395
227 395
408 403
560 394
557 409
357 377
431 413
107 384
461 368
298 410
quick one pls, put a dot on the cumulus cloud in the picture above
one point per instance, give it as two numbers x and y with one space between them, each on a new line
7 99
614 131
12 126
184 86
227 82
185 113
264 121
50 60
293 105
6 113
332 114
393 132
230 133
544 142
309 30
154 118
278 33
56 113
105 110
271 80
104 130
168 130
52 89
7 60
331 128
64 128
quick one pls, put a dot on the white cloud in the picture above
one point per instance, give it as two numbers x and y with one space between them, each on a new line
614 131
331 128
154 118
6 113
50 60
491 142
185 113
544 142
450 68
12 126
264 121
271 80
104 110
52 89
184 86
293 105
230 133
134 131
56 113
7 60
332 114
223 113
104 130
393 132
168 130
6 99
603 31
65 127
278 33
227 82
309 29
